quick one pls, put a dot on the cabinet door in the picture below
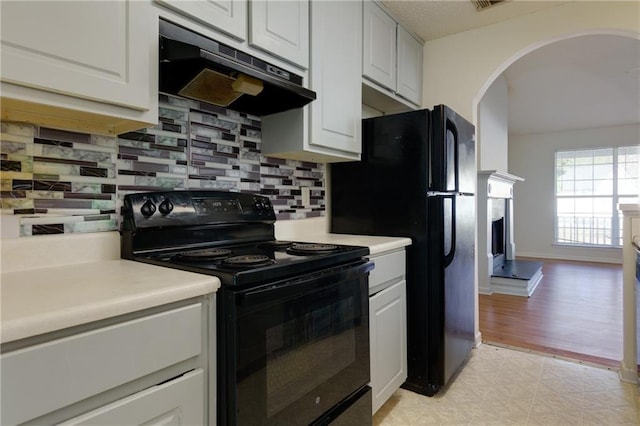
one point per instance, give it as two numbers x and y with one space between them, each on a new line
96 50
409 67
228 16
86 364
177 402
388 328
336 75
379 56
281 28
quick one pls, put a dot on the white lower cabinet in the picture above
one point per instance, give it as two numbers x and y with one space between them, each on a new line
177 402
150 369
388 326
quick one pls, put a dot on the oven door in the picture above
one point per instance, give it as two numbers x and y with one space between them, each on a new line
297 348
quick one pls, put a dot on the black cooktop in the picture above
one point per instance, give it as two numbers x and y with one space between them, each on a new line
226 234
257 262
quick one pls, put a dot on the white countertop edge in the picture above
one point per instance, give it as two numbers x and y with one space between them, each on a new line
376 244
315 230
50 299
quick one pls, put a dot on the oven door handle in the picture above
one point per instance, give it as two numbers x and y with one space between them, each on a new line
299 286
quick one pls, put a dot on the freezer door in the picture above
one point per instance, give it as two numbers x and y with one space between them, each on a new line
453 162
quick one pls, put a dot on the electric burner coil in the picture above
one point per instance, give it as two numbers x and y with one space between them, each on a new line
312 248
251 260
203 255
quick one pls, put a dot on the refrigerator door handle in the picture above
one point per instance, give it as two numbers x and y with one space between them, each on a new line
451 157
449 230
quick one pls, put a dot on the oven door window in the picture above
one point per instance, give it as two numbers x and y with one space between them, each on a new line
302 351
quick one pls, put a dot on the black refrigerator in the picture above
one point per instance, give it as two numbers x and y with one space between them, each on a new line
417 179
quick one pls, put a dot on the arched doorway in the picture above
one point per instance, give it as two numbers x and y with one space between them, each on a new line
539 158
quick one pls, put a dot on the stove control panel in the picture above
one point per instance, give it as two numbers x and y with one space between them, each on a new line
180 208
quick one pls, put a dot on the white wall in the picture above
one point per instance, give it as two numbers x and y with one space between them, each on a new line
532 157
459 68
493 127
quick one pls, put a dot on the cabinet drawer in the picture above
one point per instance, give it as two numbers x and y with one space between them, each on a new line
45 377
389 267
177 402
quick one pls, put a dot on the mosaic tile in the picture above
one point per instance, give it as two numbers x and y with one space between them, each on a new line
16 147
17 129
49 229
45 194
223 185
13 194
21 184
16 203
63 135
69 173
104 141
74 154
46 172
16 176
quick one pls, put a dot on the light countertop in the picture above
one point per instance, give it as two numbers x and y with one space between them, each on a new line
48 284
315 231
376 245
48 299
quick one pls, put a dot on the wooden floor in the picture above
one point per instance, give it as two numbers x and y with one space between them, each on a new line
576 312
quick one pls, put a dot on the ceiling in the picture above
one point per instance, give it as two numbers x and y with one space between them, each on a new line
584 82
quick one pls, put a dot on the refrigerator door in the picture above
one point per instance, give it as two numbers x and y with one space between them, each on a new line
450 294
453 159
459 218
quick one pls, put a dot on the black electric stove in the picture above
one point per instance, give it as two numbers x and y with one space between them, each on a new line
283 305
226 234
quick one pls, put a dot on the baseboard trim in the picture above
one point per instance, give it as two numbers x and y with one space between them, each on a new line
573 258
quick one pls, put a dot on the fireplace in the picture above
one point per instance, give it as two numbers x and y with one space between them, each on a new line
497 241
498 269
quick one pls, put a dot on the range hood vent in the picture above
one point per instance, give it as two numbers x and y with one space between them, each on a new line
483 4
199 68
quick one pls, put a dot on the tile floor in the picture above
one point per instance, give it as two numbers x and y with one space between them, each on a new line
500 386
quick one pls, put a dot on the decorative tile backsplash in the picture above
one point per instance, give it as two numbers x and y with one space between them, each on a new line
67 182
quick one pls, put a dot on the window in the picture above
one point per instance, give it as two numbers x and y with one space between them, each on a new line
589 185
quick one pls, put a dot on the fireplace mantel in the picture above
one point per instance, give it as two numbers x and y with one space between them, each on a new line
499 175
495 188
496 184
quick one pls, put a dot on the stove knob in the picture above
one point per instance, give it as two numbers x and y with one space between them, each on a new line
148 208
166 207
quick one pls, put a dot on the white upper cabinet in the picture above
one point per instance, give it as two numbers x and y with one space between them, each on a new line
99 51
409 67
281 28
227 16
392 62
379 55
328 129
336 115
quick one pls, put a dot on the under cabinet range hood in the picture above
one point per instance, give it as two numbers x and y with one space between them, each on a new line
196 67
